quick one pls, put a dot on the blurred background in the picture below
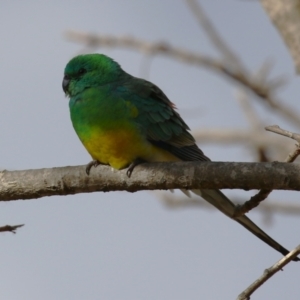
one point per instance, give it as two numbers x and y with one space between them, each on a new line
146 245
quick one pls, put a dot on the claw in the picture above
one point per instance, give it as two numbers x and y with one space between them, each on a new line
93 163
133 165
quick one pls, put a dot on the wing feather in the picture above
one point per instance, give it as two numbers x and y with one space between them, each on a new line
157 117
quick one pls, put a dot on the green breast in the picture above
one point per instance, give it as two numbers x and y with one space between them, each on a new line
106 126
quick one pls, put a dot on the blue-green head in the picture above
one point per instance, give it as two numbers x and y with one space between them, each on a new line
89 70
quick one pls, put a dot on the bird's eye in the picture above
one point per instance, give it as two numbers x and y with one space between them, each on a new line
82 71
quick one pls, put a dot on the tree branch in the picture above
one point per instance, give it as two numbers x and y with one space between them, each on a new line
10 228
264 89
267 209
249 138
31 184
286 133
285 15
211 32
264 193
268 273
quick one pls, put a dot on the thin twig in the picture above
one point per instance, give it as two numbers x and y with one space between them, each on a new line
244 137
252 117
266 208
278 130
252 203
248 110
213 35
268 273
10 228
263 73
264 193
295 136
254 121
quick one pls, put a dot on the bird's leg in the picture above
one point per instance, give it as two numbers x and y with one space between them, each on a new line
93 163
131 167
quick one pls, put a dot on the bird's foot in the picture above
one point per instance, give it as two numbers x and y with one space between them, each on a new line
133 165
93 163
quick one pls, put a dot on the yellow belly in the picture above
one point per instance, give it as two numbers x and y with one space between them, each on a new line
119 148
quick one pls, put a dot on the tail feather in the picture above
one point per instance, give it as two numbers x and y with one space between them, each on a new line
221 202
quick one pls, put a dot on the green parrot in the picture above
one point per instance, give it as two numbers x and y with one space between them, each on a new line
123 121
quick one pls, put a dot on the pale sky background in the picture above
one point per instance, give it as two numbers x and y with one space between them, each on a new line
122 245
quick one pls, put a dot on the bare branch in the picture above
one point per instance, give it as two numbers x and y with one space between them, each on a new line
10 228
263 73
295 136
264 193
268 273
213 34
252 203
238 136
255 123
32 184
269 208
278 130
259 88
248 138
248 110
285 15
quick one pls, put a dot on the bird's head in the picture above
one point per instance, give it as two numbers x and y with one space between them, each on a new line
89 70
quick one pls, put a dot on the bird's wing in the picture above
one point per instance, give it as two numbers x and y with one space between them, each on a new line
162 125
165 128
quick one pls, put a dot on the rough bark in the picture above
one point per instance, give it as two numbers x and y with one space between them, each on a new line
285 15
31 184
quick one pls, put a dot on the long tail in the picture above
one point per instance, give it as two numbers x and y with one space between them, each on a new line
221 202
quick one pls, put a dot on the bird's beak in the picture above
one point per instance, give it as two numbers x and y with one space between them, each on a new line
65 83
